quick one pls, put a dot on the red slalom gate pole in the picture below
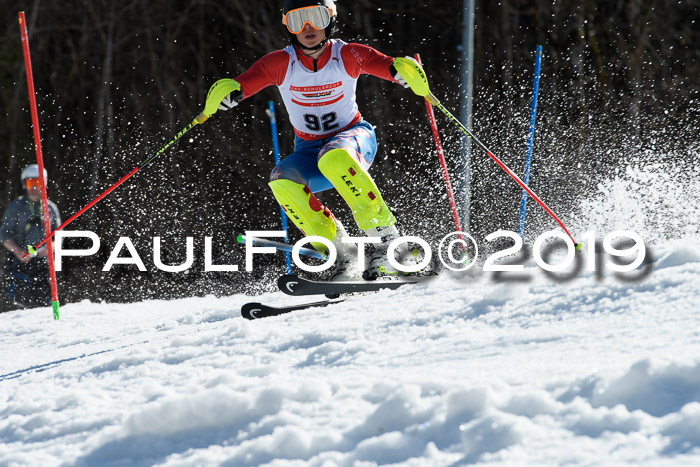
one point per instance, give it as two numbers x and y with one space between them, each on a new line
419 85
40 161
443 163
47 239
512 175
201 118
216 93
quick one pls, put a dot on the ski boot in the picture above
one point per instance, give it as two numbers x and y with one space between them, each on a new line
346 263
379 265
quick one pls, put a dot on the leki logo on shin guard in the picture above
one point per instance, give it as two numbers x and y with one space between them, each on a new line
290 212
352 186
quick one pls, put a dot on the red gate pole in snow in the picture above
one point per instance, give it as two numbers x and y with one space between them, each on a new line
39 160
441 156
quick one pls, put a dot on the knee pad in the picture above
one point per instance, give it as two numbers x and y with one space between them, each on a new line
357 189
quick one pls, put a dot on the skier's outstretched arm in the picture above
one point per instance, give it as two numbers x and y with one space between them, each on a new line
362 59
267 71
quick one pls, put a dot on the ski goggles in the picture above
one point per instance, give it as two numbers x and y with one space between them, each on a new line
318 17
32 183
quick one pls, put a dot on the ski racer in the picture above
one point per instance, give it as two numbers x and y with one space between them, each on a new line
334 146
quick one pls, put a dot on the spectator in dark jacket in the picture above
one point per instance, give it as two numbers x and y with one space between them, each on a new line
27 277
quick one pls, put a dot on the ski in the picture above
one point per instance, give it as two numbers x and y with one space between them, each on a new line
295 285
255 310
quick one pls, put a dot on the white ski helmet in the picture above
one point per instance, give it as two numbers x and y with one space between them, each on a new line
32 171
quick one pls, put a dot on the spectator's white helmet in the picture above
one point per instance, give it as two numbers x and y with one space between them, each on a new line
32 171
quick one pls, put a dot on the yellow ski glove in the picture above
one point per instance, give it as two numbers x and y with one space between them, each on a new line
220 91
412 74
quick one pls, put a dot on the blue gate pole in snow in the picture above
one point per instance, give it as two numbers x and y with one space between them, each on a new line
286 247
530 139
276 151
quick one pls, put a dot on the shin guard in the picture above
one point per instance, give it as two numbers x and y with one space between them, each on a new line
305 210
357 189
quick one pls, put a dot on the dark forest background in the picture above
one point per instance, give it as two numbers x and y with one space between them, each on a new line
116 80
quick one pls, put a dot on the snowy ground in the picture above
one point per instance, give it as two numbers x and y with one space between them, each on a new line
591 371
447 373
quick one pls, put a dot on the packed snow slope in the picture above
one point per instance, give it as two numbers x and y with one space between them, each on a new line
447 373
522 370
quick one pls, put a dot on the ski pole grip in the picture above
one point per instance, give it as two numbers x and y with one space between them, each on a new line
201 118
217 92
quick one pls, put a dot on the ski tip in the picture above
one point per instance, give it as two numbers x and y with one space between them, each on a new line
250 311
287 283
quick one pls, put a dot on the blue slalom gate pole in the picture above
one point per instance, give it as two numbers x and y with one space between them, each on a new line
276 151
530 139
286 247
